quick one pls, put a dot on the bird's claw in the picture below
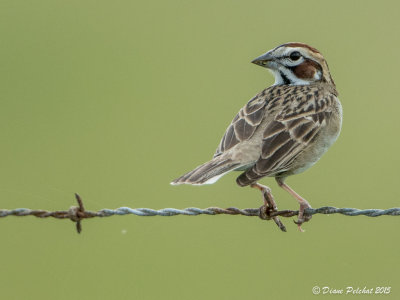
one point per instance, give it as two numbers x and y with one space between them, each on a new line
265 214
302 216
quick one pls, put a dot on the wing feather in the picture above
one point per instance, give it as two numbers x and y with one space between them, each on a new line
244 124
299 117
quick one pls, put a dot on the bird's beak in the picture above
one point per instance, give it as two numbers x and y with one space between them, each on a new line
264 60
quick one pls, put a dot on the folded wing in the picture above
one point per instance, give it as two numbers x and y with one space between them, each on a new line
300 120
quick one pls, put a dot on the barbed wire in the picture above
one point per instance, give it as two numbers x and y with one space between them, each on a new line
78 213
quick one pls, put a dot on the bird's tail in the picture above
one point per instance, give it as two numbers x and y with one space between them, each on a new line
209 172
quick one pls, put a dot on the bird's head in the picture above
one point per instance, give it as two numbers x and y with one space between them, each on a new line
295 64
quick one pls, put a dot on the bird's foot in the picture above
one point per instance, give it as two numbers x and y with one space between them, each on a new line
269 206
302 216
266 213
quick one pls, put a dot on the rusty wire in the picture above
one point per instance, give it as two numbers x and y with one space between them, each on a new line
78 213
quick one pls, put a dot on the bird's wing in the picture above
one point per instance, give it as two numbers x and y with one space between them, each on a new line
244 124
300 113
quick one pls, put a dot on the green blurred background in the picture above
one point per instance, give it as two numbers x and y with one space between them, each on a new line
114 99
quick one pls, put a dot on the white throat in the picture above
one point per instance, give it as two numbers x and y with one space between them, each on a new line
285 76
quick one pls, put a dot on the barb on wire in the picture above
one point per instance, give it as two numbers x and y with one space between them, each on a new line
78 213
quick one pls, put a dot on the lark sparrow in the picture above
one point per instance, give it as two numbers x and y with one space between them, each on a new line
283 130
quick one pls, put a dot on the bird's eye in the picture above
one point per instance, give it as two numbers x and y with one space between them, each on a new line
295 55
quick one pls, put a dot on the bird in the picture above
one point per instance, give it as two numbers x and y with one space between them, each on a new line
281 131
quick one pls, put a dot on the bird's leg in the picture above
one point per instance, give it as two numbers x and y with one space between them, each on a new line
303 202
269 203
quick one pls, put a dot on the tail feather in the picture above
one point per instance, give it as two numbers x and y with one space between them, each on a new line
209 172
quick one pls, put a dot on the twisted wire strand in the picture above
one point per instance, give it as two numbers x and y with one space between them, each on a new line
194 211
78 213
